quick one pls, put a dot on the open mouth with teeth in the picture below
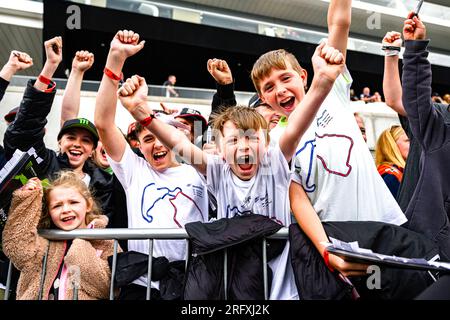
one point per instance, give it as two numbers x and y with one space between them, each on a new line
68 219
245 162
75 154
288 104
159 156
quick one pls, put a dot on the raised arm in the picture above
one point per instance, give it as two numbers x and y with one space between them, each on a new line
70 108
28 128
133 95
221 73
392 87
426 123
311 225
53 52
339 19
125 44
328 63
17 61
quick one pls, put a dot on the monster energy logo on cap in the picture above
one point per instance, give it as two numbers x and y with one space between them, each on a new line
81 123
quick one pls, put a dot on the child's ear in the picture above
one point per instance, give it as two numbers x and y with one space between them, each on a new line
304 76
89 205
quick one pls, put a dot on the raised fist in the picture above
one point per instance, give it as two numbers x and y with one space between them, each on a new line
393 38
126 43
53 50
133 93
83 61
20 60
328 62
220 71
413 28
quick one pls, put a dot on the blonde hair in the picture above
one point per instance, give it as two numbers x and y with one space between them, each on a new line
68 179
244 118
275 59
387 151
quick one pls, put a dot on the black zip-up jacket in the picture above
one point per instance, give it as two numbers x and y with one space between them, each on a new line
28 131
315 281
429 209
241 236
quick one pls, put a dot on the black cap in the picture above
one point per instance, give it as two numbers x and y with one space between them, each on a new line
81 123
192 114
255 101
11 115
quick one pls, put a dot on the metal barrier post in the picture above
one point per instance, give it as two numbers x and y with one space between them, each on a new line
264 256
113 271
225 272
149 270
44 270
8 281
187 255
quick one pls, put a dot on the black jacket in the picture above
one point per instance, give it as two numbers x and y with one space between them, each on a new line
28 131
3 85
429 209
241 236
223 98
315 281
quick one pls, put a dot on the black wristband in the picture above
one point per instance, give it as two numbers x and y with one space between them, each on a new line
393 48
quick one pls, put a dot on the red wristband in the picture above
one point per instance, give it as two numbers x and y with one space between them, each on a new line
44 80
51 88
327 261
112 75
146 122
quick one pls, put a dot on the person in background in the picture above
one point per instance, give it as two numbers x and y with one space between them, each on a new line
195 121
269 114
436 98
446 98
390 156
67 204
366 96
361 125
353 96
169 84
377 97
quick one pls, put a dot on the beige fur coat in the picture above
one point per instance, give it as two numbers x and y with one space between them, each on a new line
26 249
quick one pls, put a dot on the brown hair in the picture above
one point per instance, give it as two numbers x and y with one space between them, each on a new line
275 59
244 118
68 179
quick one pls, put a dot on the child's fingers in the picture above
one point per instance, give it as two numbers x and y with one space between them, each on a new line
126 89
141 80
119 35
135 38
125 36
319 49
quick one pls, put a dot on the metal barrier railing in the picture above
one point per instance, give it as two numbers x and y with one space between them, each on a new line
138 234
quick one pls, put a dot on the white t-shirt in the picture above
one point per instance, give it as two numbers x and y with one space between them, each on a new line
265 194
336 169
167 199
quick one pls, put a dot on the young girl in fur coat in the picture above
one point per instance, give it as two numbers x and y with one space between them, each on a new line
67 205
